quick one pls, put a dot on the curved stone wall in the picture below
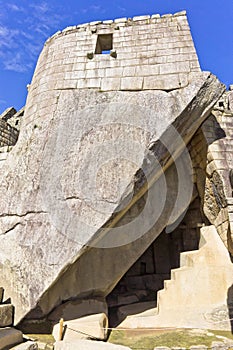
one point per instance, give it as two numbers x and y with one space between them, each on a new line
148 53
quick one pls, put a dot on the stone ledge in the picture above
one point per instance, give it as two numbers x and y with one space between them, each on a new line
150 19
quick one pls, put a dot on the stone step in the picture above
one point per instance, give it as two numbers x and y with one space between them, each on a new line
130 297
10 337
146 308
6 315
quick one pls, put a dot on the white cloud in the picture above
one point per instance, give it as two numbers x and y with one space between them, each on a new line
19 48
15 7
24 29
42 8
94 8
122 9
16 64
8 37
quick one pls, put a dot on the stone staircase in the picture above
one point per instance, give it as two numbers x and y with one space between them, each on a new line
9 336
196 295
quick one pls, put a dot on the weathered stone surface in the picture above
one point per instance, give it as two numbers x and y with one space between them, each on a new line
6 315
138 308
93 326
230 100
73 186
29 345
10 337
203 304
87 345
72 310
217 345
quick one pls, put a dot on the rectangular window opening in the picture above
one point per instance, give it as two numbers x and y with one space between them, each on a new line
104 44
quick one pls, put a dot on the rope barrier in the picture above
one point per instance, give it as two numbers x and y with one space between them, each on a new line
83 333
223 346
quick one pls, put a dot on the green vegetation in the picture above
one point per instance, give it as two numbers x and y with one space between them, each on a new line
145 339
47 339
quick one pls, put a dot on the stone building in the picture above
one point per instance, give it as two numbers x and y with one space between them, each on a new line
117 196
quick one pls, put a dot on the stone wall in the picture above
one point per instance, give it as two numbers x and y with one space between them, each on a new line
211 153
145 53
9 128
8 135
146 277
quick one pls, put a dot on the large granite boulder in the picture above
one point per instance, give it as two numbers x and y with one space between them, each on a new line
83 160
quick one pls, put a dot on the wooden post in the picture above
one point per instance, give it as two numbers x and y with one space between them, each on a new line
61 329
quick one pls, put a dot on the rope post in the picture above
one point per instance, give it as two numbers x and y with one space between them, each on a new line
61 323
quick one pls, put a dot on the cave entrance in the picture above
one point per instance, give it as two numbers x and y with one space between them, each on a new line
137 290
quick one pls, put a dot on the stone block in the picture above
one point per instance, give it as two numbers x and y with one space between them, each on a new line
93 326
128 58
87 345
75 75
230 100
176 67
29 345
6 315
155 16
140 18
187 49
198 347
75 309
110 21
10 337
89 83
161 348
162 82
132 83
95 73
130 61
129 71
127 299
110 84
136 309
121 20
167 15
147 70
94 23
181 13
114 72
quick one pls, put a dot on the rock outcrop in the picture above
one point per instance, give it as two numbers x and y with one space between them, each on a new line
101 166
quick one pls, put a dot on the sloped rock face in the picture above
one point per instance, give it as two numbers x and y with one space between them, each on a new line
75 209
71 171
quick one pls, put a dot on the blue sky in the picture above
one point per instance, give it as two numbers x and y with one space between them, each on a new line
25 26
